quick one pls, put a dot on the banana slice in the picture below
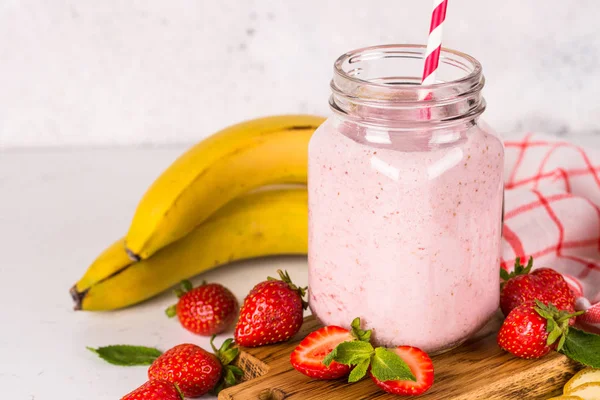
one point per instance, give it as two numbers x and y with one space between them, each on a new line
587 391
584 376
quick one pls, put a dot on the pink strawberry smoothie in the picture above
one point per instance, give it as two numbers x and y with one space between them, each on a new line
404 231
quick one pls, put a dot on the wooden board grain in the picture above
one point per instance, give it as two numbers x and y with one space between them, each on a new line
477 370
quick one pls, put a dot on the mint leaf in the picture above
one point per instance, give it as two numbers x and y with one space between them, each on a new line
583 347
349 353
388 366
364 336
126 355
330 357
359 371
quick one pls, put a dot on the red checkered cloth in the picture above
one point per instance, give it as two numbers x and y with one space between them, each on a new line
552 213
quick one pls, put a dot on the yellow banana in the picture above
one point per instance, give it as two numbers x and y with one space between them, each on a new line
258 224
231 162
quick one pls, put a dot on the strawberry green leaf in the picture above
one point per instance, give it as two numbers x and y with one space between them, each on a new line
229 377
583 347
236 370
349 353
554 334
561 343
186 285
388 366
126 355
227 352
217 389
226 344
551 325
171 311
359 371
519 269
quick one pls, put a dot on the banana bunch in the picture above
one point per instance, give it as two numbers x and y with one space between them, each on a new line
203 212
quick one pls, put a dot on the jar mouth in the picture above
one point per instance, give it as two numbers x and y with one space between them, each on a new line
417 51
384 83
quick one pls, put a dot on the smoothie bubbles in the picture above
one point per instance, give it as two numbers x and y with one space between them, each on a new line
405 200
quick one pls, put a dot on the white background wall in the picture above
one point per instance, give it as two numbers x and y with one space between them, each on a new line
103 72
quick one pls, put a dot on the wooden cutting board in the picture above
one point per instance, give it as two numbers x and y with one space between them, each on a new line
477 370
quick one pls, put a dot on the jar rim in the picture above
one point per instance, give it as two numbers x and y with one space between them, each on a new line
381 85
419 51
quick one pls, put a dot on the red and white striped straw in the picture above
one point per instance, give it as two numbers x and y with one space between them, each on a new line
434 43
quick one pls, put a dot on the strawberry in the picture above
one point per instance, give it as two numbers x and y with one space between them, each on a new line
543 284
155 390
206 310
194 370
533 329
272 312
308 356
421 367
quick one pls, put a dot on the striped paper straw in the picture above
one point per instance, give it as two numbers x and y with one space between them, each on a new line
434 43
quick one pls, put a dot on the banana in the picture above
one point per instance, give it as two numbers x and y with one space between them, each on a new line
259 152
264 223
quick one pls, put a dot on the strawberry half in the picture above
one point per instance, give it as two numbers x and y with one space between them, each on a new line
308 356
420 365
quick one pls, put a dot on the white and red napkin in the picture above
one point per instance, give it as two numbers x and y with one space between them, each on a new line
552 213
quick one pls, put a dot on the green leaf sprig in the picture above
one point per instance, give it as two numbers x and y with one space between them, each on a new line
385 364
127 355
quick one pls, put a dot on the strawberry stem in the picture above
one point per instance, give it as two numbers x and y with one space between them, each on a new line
212 344
181 396
226 354
285 277
519 269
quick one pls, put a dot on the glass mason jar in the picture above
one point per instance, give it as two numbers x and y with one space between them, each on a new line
405 200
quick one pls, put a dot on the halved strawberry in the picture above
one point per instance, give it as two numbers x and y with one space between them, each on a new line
420 365
308 356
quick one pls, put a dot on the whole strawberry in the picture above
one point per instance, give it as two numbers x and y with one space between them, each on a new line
543 284
206 310
194 370
272 312
533 329
155 390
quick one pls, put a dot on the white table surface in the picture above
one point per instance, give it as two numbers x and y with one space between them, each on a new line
58 209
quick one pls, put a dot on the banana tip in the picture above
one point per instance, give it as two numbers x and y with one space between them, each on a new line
132 256
77 297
